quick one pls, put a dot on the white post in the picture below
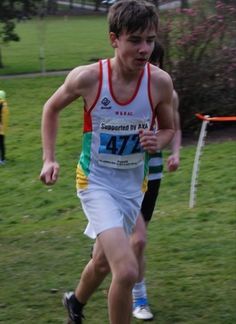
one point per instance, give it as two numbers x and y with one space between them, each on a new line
201 142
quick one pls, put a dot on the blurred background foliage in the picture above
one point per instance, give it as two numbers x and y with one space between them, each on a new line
200 45
199 40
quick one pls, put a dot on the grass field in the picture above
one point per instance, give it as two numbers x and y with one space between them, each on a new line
67 42
191 253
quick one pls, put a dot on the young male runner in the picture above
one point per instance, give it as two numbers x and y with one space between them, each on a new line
141 309
120 105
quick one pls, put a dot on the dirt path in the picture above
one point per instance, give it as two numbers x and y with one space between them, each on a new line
35 74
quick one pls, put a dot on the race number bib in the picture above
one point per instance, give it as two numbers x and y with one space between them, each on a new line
119 143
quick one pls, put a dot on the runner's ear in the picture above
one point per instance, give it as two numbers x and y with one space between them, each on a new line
113 39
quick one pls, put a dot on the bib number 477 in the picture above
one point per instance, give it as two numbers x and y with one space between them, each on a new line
119 144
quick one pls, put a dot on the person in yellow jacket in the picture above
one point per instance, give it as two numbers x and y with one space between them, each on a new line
3 125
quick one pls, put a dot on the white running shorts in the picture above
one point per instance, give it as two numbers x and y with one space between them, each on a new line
105 211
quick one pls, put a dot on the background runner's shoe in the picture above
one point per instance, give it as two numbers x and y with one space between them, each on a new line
143 312
75 316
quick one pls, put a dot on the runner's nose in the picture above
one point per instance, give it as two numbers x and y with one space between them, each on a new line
144 48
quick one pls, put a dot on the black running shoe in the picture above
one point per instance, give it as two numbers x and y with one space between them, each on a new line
75 316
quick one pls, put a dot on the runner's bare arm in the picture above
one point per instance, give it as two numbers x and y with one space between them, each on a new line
164 113
173 159
76 84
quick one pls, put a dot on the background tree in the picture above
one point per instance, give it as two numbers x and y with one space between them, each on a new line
201 57
155 2
7 35
52 6
97 5
9 11
184 4
71 4
231 2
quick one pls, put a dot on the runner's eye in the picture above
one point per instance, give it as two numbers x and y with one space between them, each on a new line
134 40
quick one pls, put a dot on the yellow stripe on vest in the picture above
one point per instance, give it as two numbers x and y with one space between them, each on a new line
145 184
81 178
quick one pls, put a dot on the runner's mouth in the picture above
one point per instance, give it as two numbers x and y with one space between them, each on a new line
141 60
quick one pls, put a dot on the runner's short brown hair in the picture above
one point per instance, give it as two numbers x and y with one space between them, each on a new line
132 15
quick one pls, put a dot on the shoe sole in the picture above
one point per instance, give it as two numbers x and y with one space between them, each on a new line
65 304
144 319
69 321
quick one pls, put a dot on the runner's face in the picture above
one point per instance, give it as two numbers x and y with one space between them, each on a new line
134 49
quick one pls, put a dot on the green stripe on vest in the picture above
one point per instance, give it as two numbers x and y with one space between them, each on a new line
155 169
155 155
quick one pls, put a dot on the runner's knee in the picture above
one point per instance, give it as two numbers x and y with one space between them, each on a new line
138 242
101 265
126 273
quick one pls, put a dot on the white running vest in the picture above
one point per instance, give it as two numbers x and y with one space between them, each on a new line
112 157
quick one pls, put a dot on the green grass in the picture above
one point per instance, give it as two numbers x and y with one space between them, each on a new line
67 41
190 253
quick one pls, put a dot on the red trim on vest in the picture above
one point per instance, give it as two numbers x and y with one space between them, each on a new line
149 95
111 89
99 87
87 113
149 86
87 122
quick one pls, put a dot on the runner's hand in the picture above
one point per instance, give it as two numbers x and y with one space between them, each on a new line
149 140
49 173
172 162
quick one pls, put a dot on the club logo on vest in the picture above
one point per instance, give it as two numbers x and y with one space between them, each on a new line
105 101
